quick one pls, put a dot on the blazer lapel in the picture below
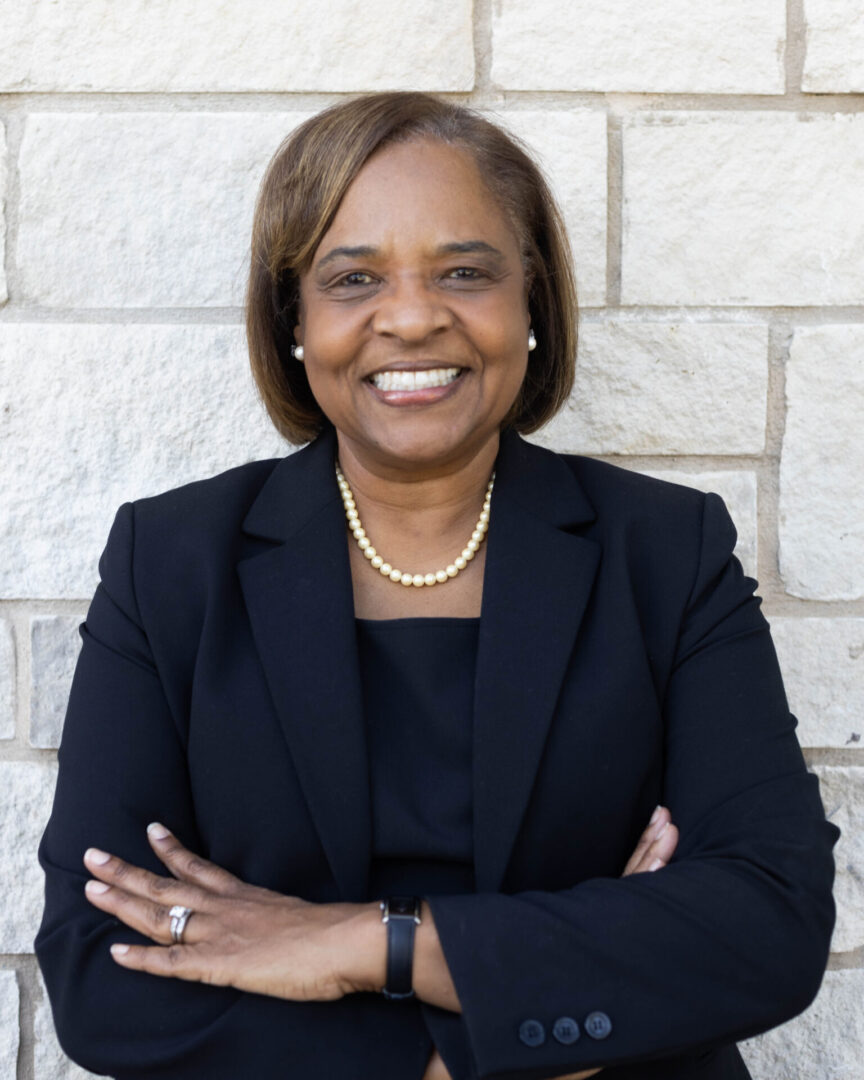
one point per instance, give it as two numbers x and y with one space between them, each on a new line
537 583
299 599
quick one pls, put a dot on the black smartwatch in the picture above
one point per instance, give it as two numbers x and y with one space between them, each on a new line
401 914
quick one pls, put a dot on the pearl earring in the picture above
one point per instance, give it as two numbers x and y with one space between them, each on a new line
298 352
532 341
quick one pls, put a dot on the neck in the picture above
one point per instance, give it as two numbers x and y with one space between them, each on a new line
446 490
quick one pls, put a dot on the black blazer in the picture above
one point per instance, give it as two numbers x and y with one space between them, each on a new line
623 661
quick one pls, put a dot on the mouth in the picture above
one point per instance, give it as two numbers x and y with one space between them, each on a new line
402 381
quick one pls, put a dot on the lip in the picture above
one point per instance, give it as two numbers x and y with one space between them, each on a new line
428 396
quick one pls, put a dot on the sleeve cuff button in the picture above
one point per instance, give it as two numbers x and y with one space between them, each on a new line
566 1030
532 1033
598 1025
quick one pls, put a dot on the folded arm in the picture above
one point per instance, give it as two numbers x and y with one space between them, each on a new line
728 940
122 765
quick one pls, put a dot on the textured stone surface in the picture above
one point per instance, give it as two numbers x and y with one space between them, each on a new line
823 669
9 1037
739 491
824 1043
822 465
743 208
49 1061
3 178
665 388
107 414
28 790
54 647
835 46
7 681
225 45
141 209
571 145
843 795
673 46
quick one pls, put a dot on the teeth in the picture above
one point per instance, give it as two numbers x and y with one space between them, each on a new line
414 380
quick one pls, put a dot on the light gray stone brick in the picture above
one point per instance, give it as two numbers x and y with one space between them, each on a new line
28 790
665 388
3 177
822 465
235 45
743 208
825 1042
141 209
672 46
49 1061
98 415
842 790
54 647
9 1032
7 681
571 145
823 669
835 47
739 491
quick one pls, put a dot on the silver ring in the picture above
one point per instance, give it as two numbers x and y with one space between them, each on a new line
179 918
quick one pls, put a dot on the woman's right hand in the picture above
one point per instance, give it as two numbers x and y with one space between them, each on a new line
655 848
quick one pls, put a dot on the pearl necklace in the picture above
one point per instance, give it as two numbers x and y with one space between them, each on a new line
439 577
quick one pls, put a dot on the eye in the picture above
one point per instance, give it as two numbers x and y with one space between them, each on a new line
356 277
466 273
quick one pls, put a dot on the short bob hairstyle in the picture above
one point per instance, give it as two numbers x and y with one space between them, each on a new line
300 194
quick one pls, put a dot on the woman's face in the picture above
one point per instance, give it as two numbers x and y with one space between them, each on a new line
413 314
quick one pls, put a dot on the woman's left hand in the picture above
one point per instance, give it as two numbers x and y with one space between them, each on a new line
237 935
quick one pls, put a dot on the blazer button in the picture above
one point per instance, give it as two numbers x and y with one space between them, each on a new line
566 1030
532 1033
598 1025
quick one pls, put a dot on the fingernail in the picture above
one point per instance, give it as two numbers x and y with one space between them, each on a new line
119 950
97 887
656 814
157 831
655 865
97 857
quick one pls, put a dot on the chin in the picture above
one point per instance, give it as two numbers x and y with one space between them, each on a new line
420 448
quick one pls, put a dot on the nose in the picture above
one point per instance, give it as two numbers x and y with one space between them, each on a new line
412 310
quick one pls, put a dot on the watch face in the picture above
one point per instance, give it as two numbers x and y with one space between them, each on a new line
402 905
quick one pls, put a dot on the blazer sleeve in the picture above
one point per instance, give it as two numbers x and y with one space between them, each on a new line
727 941
122 764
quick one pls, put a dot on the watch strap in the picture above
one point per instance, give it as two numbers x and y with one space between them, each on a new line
401 915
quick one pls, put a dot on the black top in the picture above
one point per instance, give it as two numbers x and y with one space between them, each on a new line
418 701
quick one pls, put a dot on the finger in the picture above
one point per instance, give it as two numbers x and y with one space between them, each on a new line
146 916
659 819
137 882
186 865
663 848
659 851
173 962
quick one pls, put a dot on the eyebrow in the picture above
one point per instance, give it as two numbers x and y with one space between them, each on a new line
458 247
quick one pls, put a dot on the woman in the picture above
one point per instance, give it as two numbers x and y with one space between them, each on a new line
474 733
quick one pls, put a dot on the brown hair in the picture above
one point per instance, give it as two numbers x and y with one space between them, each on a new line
300 194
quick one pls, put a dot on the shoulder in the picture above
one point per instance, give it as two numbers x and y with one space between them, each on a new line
657 527
623 499
172 542
218 502
623 496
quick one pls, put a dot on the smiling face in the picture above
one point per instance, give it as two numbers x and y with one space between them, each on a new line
413 314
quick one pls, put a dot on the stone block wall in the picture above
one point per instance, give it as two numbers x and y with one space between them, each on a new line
708 157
